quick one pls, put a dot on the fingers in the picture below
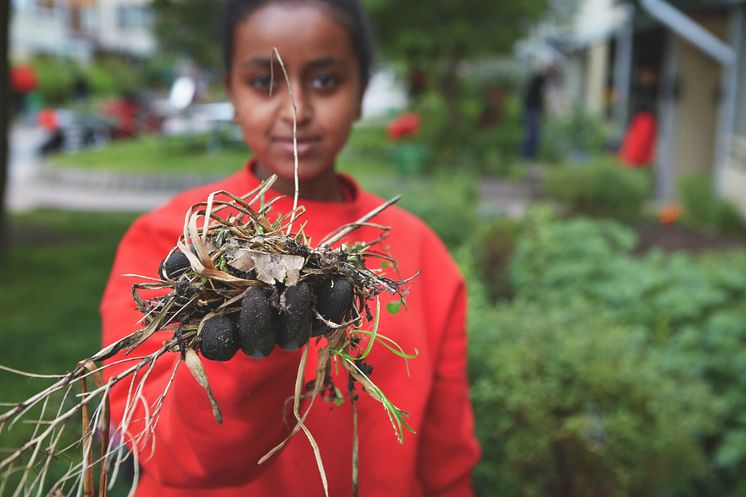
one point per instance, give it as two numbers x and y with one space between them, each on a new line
266 320
258 323
333 302
219 338
175 264
296 317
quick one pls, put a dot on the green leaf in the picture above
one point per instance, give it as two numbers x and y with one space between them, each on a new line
393 307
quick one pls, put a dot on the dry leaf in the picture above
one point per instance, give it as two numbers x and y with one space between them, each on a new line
242 260
194 363
278 268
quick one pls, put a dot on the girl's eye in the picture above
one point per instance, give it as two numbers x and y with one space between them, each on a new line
324 81
262 82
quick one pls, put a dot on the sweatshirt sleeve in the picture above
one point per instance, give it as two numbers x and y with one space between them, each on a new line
448 448
189 448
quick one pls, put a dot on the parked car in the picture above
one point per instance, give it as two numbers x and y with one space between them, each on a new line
72 129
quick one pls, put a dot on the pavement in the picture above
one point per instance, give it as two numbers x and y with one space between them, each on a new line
33 184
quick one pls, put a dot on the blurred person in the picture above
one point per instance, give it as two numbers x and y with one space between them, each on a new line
80 88
23 81
533 110
638 145
327 50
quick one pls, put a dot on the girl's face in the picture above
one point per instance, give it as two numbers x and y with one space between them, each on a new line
325 81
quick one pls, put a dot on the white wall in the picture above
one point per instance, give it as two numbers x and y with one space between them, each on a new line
34 30
137 40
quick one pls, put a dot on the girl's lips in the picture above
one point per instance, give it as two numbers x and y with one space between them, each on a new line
305 145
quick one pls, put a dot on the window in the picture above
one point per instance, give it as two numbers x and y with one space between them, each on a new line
131 17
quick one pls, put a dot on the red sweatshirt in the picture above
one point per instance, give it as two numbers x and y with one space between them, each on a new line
194 456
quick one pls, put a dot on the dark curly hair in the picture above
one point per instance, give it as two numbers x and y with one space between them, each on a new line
348 13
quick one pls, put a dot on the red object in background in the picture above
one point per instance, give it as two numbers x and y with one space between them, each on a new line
405 125
47 119
124 112
638 147
23 78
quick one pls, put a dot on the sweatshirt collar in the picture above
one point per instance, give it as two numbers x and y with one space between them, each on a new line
331 210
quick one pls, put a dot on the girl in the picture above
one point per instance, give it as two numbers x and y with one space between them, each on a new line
325 45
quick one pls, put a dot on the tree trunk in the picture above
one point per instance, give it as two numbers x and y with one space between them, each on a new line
447 147
4 121
450 90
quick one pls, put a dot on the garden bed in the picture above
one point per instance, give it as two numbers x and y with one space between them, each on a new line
681 238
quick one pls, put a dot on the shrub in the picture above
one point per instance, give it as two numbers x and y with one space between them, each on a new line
113 76
602 188
559 261
688 313
575 137
56 77
494 243
447 204
703 209
570 403
465 145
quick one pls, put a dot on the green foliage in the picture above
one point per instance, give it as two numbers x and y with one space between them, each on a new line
601 188
575 137
656 327
479 150
56 77
106 77
570 403
702 208
494 243
183 29
112 76
446 203
404 28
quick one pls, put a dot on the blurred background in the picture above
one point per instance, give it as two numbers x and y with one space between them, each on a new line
584 161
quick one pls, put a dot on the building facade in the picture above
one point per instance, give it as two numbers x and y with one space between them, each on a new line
81 28
694 51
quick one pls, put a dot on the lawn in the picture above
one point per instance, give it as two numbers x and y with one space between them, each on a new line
53 279
157 156
52 282
368 156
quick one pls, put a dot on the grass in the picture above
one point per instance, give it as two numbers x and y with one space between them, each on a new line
53 279
157 156
367 156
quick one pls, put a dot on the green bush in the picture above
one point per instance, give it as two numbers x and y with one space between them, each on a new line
602 188
447 204
703 209
464 145
686 314
106 77
494 243
56 77
575 137
570 403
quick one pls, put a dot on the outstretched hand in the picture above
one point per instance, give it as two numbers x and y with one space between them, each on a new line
274 315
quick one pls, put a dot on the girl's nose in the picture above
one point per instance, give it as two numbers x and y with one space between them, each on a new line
303 105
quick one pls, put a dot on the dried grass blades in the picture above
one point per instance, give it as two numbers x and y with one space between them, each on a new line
218 234
230 246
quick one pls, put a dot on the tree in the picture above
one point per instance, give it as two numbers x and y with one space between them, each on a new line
4 118
444 33
189 28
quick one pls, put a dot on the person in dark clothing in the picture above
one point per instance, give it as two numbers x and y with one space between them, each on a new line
80 88
533 110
